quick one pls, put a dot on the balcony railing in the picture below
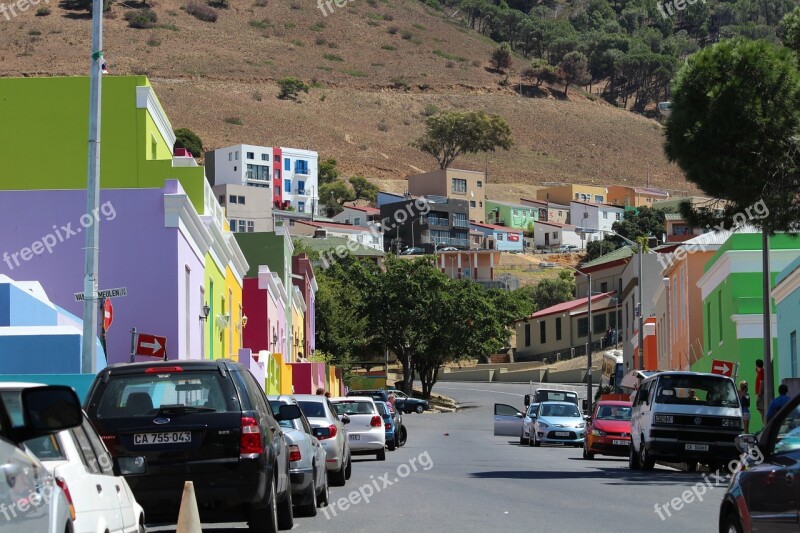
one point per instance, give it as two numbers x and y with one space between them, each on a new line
460 223
437 221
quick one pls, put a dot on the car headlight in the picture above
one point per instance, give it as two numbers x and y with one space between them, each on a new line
581 425
598 433
543 425
663 419
731 423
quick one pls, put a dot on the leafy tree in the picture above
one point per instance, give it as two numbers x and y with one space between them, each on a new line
291 87
789 30
186 138
540 72
332 196
553 291
643 222
734 129
450 134
363 189
501 57
595 249
328 173
575 70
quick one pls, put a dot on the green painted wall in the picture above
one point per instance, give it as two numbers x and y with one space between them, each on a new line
215 294
46 125
524 215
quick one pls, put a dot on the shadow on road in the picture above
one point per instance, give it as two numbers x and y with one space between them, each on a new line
613 475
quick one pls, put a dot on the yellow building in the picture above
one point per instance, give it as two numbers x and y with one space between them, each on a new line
564 194
298 335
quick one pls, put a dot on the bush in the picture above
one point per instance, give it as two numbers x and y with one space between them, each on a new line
407 35
389 47
319 41
201 12
43 11
153 42
234 120
143 19
430 110
34 32
392 30
291 87
186 138
382 126
333 57
400 83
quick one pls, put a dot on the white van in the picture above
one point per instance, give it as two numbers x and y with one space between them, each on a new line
685 417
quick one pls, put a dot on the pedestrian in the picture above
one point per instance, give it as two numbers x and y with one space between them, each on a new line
327 394
760 389
776 404
744 398
320 391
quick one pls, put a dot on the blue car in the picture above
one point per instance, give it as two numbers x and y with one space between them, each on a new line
393 424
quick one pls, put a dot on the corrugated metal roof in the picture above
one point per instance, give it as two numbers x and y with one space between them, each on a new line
620 253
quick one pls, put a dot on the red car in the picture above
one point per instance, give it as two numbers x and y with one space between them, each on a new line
609 430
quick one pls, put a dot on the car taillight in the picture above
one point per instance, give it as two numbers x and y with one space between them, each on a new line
163 369
376 421
387 426
250 442
111 442
331 433
62 483
294 453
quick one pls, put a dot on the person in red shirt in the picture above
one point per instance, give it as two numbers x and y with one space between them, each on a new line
760 388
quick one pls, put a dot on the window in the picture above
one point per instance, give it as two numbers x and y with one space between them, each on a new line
222 199
598 198
277 159
236 155
232 199
356 221
85 450
599 324
240 200
258 172
558 328
251 155
583 327
301 187
543 332
301 207
235 168
242 226
555 234
251 226
265 157
577 196
287 164
230 156
232 223
460 185
480 204
605 215
500 237
527 334
480 184
287 186
604 287
301 166
472 203
617 216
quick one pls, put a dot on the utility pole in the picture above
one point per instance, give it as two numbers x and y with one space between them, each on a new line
589 351
90 283
769 379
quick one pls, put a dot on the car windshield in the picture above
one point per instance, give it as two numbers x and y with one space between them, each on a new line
613 412
560 410
696 390
276 411
172 392
312 409
354 408
557 396
532 409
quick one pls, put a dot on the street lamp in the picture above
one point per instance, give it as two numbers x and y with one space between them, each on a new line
589 349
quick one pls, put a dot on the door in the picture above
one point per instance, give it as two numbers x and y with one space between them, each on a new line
507 420
772 488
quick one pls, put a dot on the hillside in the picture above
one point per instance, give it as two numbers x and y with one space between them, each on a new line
378 67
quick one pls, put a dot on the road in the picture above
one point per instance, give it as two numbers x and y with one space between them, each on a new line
455 475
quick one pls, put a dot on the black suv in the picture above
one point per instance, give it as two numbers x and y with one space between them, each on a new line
208 422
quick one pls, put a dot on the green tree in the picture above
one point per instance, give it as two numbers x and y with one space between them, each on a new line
501 57
595 249
363 189
789 30
291 87
333 196
452 133
642 222
574 70
734 129
328 173
553 291
540 72
186 138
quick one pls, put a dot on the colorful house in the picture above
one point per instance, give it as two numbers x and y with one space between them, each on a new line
297 336
304 279
787 304
635 196
499 237
564 194
511 215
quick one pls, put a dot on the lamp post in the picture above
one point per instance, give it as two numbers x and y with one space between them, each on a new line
639 291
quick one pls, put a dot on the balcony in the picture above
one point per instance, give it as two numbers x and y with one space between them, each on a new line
437 221
461 223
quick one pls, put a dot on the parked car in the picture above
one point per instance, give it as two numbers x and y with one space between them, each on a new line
79 458
307 468
330 431
566 248
507 420
403 402
413 250
448 249
608 431
527 424
208 422
684 417
762 496
365 431
44 411
558 422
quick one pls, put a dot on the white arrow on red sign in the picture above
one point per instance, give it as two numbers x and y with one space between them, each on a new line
151 345
724 368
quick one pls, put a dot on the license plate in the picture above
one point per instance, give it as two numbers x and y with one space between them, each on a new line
697 447
562 433
355 437
619 443
174 437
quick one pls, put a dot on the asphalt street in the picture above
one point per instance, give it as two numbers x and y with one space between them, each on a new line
455 475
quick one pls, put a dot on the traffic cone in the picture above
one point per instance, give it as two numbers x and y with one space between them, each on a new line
188 516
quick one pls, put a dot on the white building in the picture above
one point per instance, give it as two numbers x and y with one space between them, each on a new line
593 220
551 235
291 174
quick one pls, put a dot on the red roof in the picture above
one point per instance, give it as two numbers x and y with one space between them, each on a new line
568 306
492 226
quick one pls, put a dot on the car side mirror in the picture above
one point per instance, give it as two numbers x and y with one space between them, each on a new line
519 415
289 412
345 419
746 442
48 410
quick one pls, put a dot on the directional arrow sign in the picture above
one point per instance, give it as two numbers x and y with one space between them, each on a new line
724 368
150 345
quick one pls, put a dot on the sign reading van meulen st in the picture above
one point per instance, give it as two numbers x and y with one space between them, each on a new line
107 293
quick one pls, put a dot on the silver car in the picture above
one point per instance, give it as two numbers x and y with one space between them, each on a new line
559 422
331 432
365 431
307 468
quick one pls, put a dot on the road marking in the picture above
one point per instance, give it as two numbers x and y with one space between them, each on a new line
482 390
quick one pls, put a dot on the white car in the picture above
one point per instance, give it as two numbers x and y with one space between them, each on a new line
80 461
331 433
31 499
365 430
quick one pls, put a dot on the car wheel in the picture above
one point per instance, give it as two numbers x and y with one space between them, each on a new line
310 509
324 495
731 524
285 512
381 455
142 528
633 458
348 470
401 441
339 476
586 453
420 409
265 518
646 462
391 445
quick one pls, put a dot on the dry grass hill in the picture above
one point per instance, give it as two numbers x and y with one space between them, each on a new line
377 66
